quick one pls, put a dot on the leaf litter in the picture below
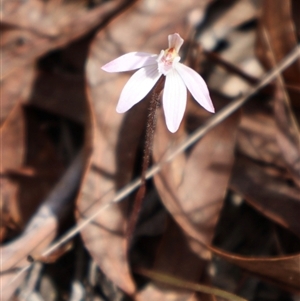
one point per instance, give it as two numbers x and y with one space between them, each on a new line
222 209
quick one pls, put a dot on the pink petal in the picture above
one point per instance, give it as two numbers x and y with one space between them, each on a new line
174 100
196 86
130 61
175 41
137 87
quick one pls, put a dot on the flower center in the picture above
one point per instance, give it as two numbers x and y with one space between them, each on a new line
166 60
169 56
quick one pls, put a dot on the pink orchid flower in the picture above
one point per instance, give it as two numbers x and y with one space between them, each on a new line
151 68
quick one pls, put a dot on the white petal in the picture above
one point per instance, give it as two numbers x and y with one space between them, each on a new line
174 100
175 41
130 61
196 85
137 87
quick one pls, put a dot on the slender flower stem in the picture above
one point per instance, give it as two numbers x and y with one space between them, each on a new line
150 130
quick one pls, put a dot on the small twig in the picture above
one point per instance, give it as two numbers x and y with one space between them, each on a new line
230 67
171 280
32 281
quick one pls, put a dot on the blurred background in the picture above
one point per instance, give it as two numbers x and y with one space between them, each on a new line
225 212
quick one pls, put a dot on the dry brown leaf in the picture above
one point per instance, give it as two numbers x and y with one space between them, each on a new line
174 257
268 191
16 88
37 235
287 134
13 137
142 28
283 271
39 232
34 27
273 141
30 166
257 134
261 139
277 20
104 238
193 185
